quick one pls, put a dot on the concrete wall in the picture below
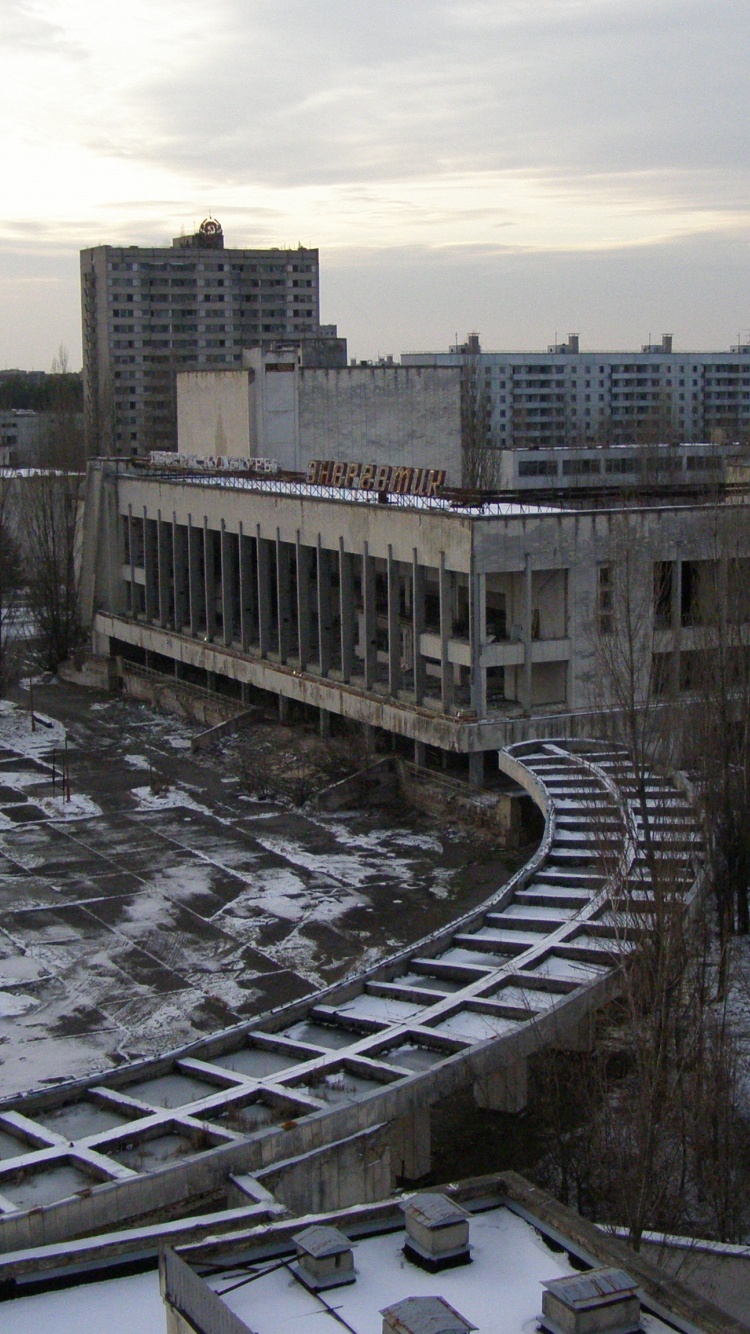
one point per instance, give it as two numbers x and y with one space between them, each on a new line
214 412
720 1273
382 414
276 409
353 1171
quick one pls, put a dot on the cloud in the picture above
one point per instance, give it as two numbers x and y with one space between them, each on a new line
443 129
317 91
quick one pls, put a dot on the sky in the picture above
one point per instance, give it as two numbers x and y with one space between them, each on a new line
521 169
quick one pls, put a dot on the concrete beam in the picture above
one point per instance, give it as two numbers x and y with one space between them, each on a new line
264 594
304 571
346 611
181 575
325 624
228 583
394 627
209 576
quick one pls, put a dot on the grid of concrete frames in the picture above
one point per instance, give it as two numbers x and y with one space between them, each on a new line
204 1127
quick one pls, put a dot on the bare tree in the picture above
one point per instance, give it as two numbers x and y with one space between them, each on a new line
632 681
716 675
671 658
649 1131
50 519
11 585
478 449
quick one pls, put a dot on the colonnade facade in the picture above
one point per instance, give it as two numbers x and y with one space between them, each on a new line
390 626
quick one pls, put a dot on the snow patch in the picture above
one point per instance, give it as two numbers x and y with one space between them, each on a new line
164 801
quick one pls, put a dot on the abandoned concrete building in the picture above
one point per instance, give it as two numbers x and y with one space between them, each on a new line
278 407
534 1265
448 622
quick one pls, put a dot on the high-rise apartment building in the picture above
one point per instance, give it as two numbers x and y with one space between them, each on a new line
148 311
565 397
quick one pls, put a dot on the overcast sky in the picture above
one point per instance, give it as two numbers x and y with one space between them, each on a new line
523 169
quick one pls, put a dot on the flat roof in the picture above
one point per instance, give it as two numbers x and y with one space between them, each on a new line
510 1263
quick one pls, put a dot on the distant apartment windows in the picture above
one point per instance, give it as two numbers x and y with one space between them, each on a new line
625 465
580 467
537 468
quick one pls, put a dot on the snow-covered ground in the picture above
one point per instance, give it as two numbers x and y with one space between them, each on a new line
121 1306
160 903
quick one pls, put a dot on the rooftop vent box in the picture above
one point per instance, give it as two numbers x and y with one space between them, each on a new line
324 1258
424 1315
601 1301
437 1232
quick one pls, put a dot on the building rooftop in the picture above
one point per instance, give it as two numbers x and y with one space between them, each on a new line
585 1290
426 1315
512 1261
434 1209
320 1241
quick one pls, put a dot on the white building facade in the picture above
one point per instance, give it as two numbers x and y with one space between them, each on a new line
566 397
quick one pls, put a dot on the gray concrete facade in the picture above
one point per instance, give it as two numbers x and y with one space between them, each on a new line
276 407
148 310
454 627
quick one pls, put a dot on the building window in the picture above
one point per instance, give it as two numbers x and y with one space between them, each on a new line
663 584
537 468
604 604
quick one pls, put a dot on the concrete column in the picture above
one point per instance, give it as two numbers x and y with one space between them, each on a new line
197 590
346 611
164 562
209 575
394 626
446 630
477 637
248 589
228 584
476 768
527 641
181 575
676 611
417 610
505 1090
304 569
283 709
325 625
410 1146
151 566
420 753
264 594
131 556
324 723
283 596
370 616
